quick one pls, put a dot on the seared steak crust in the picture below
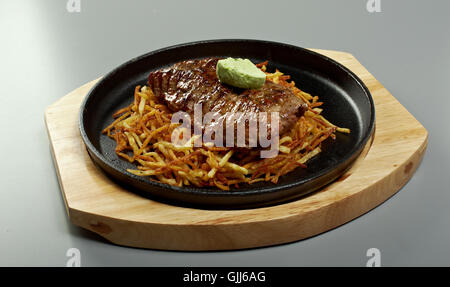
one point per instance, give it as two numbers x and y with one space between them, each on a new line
191 82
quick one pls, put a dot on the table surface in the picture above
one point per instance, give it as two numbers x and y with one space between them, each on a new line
46 52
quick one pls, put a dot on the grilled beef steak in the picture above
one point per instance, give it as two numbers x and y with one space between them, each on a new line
187 83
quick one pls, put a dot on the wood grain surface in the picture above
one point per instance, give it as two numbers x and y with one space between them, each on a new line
95 203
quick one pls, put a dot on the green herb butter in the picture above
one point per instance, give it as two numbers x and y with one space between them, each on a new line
241 73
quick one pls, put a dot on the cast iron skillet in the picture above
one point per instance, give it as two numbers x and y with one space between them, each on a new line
347 103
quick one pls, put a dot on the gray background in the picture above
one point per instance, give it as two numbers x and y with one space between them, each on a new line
46 52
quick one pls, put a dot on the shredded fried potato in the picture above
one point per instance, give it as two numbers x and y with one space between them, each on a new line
142 132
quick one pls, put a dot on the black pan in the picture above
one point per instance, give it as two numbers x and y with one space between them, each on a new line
347 103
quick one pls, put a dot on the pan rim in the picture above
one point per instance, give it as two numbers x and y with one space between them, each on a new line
196 191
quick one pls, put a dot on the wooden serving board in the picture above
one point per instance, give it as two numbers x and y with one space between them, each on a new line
94 202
